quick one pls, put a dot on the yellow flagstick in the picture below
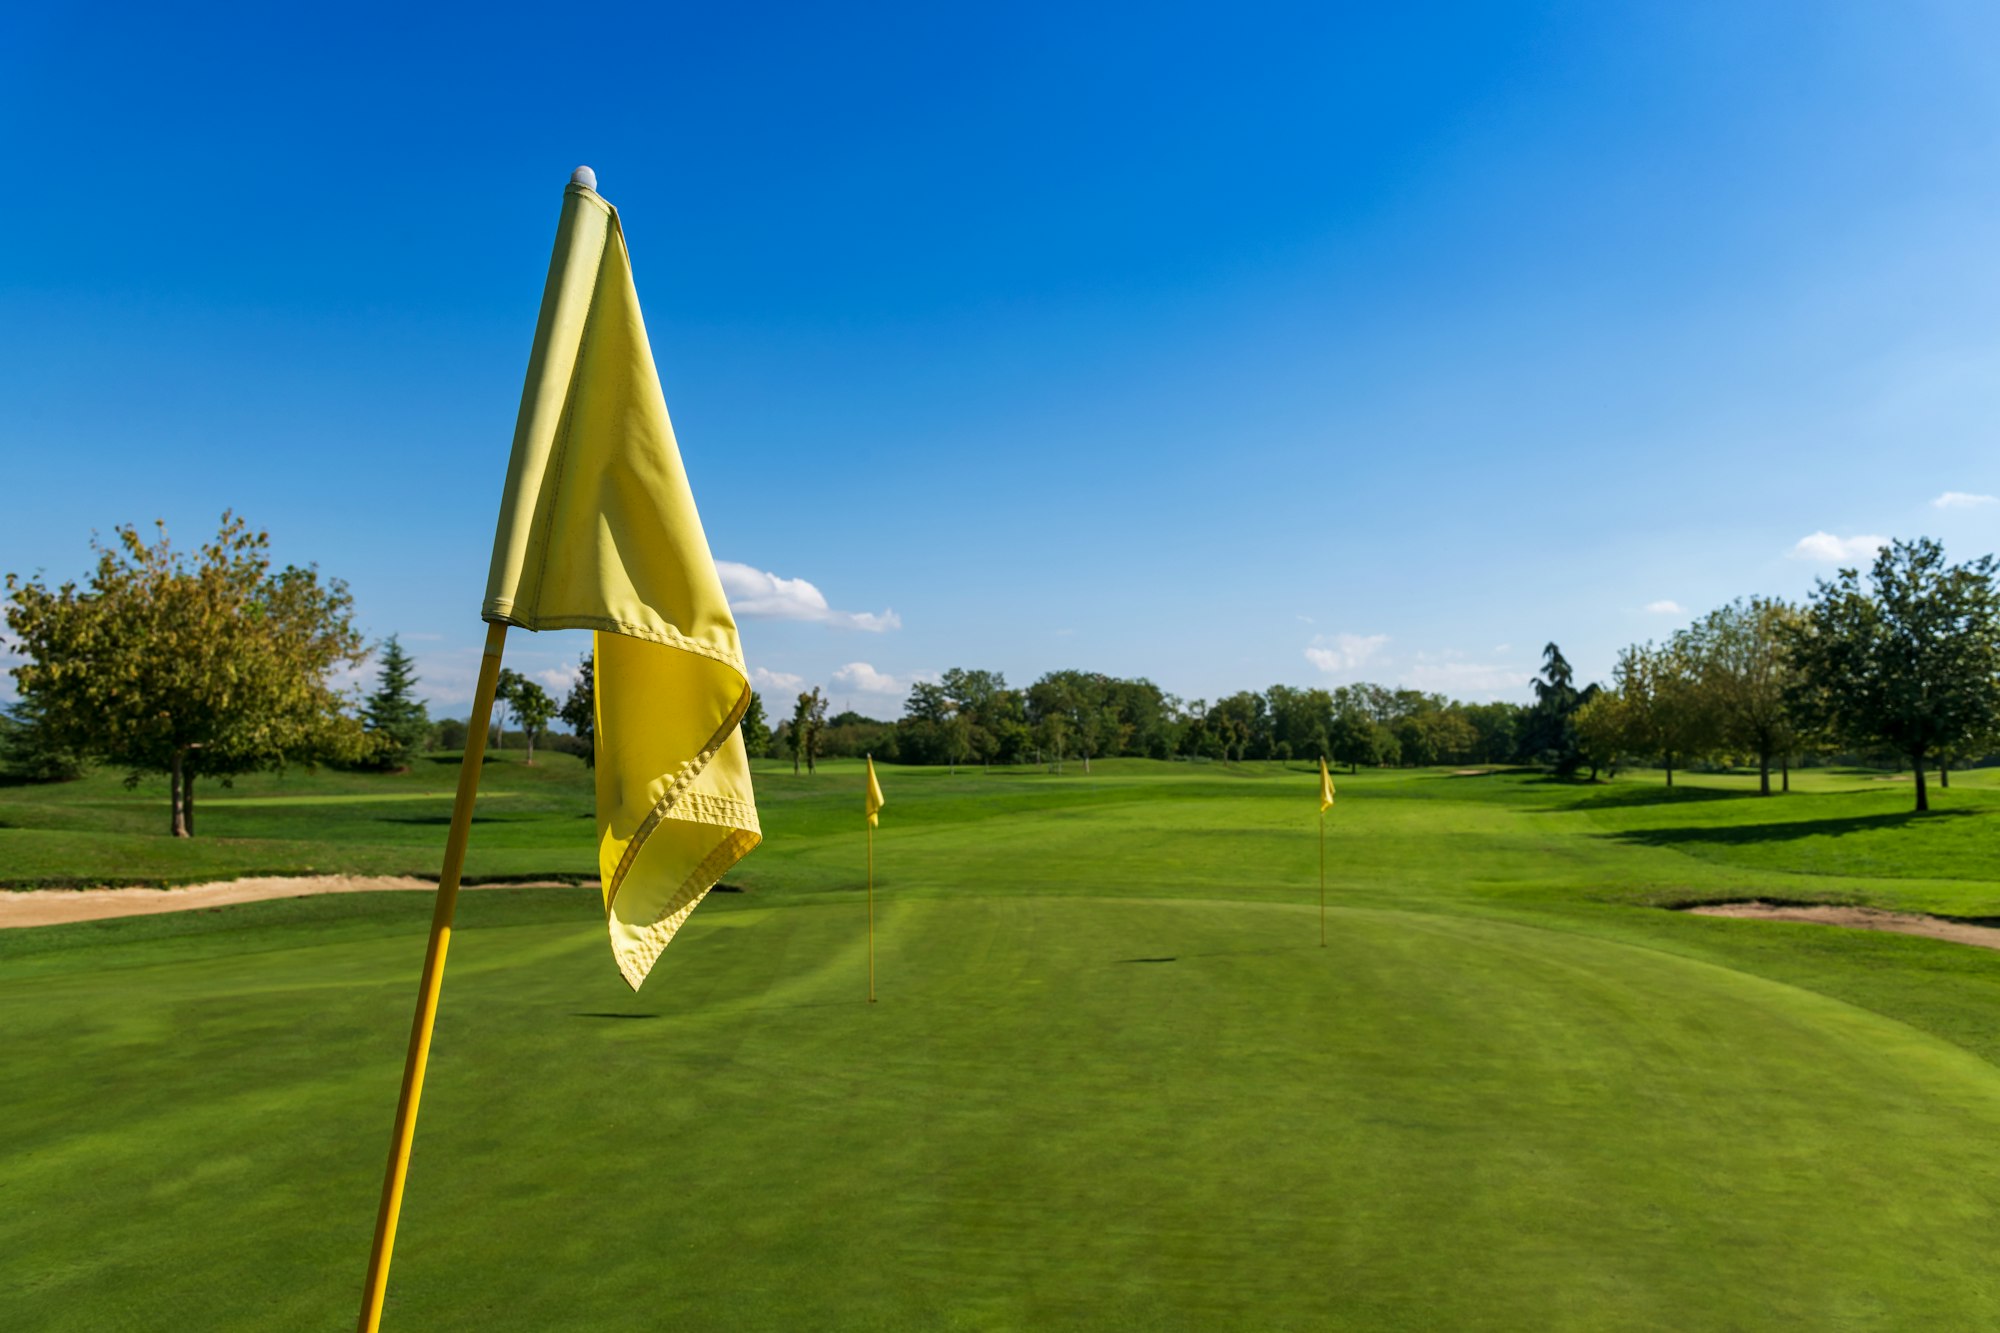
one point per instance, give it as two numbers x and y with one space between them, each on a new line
871 911
432 982
871 803
1325 804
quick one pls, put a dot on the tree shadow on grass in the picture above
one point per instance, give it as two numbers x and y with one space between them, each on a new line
1788 831
1631 797
438 821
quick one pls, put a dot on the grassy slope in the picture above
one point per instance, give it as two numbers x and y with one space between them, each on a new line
1510 1095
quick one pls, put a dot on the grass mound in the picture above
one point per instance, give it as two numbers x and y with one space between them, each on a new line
1112 1082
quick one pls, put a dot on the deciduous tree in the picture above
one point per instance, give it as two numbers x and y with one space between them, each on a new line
212 664
1910 661
1740 657
532 708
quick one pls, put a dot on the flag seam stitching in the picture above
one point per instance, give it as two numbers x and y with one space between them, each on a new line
654 937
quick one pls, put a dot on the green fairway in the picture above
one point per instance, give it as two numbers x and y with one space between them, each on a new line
1113 1082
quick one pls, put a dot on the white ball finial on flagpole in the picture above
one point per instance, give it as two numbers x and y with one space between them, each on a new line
585 177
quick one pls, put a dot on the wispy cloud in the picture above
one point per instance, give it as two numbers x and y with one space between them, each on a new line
765 679
862 678
1963 500
559 679
1450 674
1666 606
1831 550
1344 652
765 596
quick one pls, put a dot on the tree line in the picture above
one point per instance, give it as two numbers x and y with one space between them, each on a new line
212 663
1903 662
973 717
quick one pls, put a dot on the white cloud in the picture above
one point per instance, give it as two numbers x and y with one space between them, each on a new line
1344 652
447 678
765 596
559 679
1831 550
1666 606
9 659
1963 500
765 679
1451 676
864 679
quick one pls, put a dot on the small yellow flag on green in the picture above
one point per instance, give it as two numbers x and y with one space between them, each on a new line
598 531
873 802
1325 787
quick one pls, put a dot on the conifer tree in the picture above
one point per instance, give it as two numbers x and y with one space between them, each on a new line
756 731
396 720
579 710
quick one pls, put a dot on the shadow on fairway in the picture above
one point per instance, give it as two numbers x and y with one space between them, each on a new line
1625 798
595 1015
439 821
1785 832
1223 953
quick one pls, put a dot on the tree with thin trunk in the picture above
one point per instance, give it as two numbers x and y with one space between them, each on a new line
532 708
1663 710
504 686
206 665
1909 661
804 734
1745 671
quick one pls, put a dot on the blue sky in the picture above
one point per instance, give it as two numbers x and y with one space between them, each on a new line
1228 345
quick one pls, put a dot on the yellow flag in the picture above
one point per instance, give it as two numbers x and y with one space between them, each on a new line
1325 787
598 531
873 801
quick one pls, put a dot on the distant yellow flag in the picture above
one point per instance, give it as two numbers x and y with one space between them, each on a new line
598 531
873 801
1325 787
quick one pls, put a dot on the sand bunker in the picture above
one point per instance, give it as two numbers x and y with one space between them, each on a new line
54 907
1862 918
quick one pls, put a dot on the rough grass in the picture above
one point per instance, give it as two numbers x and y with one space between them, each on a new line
1112 1082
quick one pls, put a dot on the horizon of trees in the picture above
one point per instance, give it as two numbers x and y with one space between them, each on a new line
214 664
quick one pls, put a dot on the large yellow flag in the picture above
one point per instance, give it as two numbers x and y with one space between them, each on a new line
873 801
598 531
1325 787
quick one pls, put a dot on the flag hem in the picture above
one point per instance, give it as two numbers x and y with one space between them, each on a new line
651 940
666 635
746 832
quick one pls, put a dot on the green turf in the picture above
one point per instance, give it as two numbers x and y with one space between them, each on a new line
1112 1082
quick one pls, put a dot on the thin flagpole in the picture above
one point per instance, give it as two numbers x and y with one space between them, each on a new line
1322 879
432 982
871 914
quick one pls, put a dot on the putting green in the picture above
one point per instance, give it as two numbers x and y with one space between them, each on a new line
1066 1111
